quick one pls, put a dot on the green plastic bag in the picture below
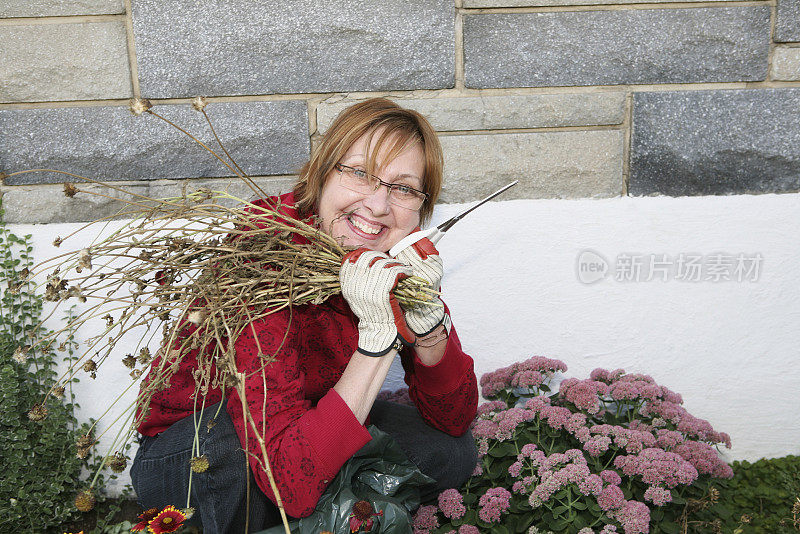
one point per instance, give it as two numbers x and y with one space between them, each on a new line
378 473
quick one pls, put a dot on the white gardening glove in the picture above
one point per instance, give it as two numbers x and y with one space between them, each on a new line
426 263
367 278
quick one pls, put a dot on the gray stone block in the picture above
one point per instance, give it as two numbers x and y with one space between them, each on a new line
109 143
719 44
55 8
45 204
232 47
545 3
715 142
43 62
786 63
501 112
579 164
787 23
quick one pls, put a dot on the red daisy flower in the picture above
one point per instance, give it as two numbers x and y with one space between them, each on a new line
362 515
144 518
169 519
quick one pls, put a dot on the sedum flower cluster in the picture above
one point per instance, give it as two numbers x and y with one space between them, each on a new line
615 452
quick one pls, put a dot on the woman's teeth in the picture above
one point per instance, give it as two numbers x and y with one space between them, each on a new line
364 227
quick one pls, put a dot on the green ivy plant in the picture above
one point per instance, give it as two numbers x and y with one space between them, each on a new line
763 497
41 472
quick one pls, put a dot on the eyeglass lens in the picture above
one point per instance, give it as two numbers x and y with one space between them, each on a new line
364 183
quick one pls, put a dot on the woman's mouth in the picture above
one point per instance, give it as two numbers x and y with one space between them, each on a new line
364 228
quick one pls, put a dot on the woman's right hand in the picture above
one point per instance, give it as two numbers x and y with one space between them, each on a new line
367 278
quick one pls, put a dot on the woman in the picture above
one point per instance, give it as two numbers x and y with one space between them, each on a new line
372 180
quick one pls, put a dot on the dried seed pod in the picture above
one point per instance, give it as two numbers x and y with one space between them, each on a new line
144 355
117 462
69 189
38 412
21 354
199 103
139 105
199 464
85 500
129 361
84 445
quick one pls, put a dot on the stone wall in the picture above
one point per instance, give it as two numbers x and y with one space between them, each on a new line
575 98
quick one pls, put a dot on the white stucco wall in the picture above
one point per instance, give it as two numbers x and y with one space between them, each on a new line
511 281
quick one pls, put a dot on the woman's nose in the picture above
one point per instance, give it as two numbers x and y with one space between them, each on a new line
378 201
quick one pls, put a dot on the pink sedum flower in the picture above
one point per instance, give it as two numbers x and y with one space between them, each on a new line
634 516
610 498
451 503
658 495
493 503
425 519
611 477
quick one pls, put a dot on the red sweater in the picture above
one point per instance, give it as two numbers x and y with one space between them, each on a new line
308 429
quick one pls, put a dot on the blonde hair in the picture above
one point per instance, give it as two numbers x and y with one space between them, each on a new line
399 129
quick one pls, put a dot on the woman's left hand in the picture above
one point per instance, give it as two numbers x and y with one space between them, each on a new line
426 263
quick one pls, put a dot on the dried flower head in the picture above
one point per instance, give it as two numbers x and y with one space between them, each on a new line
713 495
188 512
117 462
38 412
21 354
58 392
24 273
129 361
90 366
136 373
75 291
84 445
197 317
84 260
85 500
144 356
3 177
744 519
139 105
199 103
14 287
69 189
57 241
199 464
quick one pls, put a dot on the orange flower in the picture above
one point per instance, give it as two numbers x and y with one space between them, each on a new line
144 518
169 519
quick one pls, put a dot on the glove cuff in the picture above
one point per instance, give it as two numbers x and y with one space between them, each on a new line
398 345
445 321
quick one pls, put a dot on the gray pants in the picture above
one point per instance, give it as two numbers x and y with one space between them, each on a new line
160 470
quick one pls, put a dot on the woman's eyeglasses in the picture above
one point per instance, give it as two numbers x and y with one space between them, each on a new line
361 181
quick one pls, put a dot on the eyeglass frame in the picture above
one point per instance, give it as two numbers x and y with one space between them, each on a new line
341 168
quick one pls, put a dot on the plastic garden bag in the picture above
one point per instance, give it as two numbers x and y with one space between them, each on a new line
380 474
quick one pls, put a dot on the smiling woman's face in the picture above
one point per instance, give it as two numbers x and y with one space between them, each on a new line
359 220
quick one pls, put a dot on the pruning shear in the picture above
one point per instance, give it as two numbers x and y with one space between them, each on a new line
437 232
